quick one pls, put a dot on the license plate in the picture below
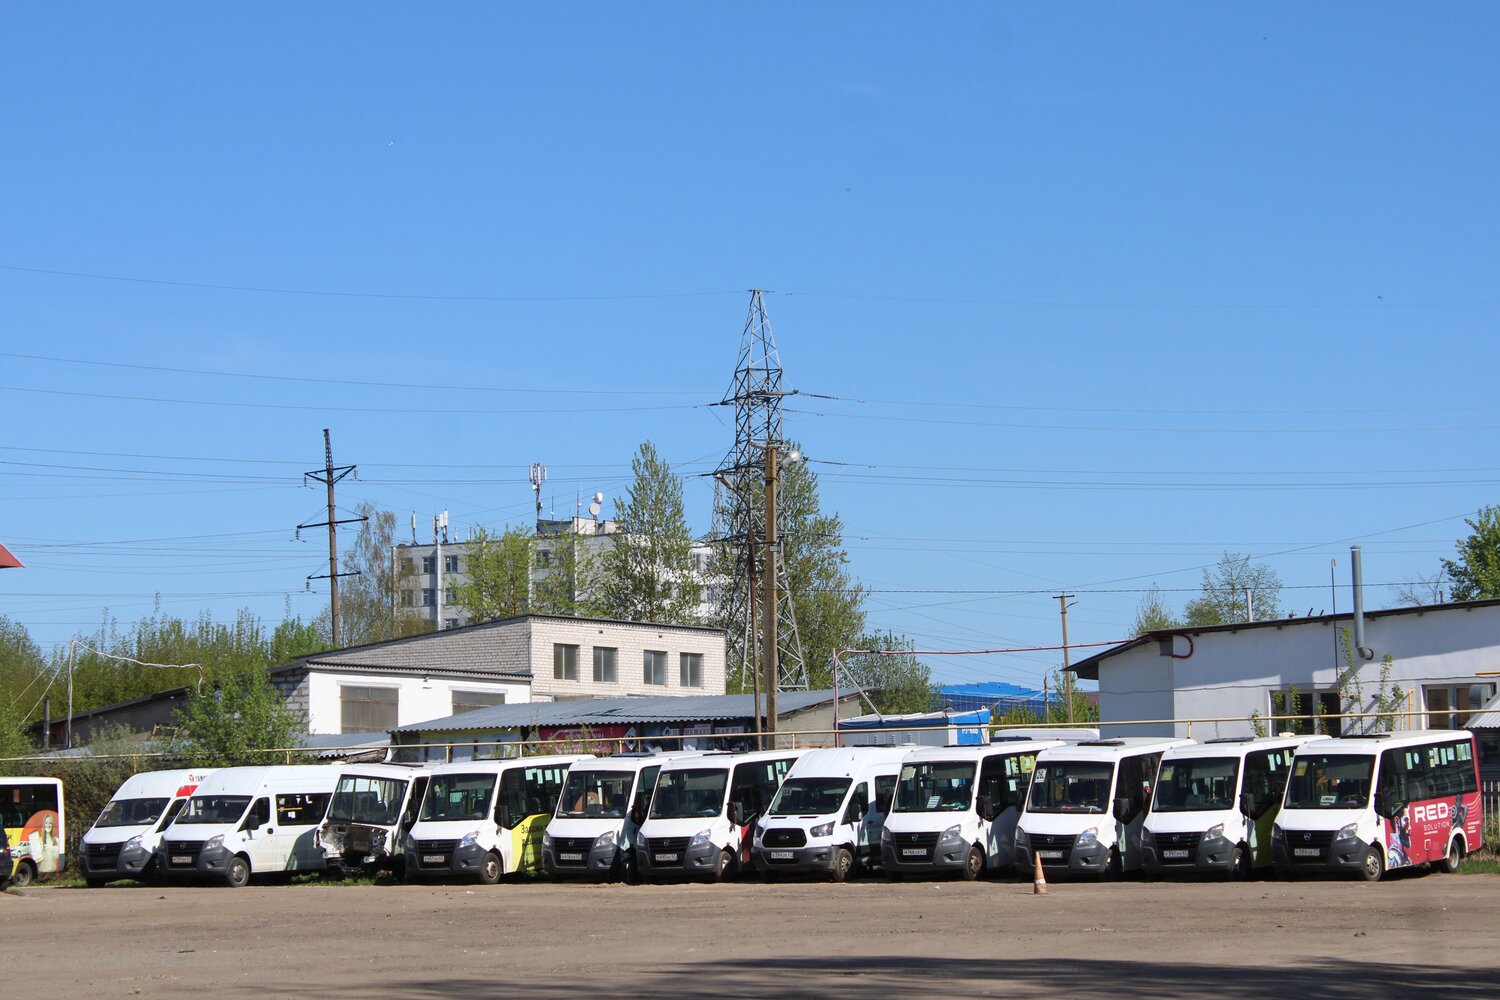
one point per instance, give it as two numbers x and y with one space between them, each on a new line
181 859
1051 855
781 855
571 857
664 858
1306 852
914 852
1175 855
434 859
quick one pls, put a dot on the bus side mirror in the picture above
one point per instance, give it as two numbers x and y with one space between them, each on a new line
251 824
1385 807
986 809
1247 803
1122 808
637 814
502 816
737 814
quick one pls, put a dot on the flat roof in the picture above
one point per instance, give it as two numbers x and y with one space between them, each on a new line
618 711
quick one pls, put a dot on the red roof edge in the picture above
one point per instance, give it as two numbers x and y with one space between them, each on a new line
8 561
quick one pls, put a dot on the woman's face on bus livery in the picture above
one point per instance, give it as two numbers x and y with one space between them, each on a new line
49 825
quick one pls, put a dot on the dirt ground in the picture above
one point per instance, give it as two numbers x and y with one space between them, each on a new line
1434 935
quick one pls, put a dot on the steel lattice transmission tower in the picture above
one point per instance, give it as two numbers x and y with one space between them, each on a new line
739 513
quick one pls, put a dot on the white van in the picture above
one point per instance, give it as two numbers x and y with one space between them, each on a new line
1214 805
594 830
485 819
830 810
244 821
698 824
956 808
1088 804
373 807
123 840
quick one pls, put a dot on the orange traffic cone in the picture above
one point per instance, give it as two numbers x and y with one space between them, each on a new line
1039 880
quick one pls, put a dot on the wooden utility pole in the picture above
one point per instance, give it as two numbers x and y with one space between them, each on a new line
1062 604
328 475
772 601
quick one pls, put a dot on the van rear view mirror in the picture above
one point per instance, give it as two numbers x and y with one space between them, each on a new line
1247 803
1122 809
737 813
637 814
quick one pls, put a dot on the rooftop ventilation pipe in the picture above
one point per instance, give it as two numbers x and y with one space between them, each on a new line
1365 652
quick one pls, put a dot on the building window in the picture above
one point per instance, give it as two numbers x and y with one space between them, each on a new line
655 667
450 564
1309 710
468 701
543 558
691 670
429 564
564 662
411 566
1450 706
367 709
429 597
408 599
604 665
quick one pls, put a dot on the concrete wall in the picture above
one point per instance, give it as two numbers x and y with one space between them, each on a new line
1136 685
419 699
632 641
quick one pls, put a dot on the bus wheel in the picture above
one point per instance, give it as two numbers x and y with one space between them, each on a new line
489 872
24 875
1239 865
1374 866
1454 860
1112 866
722 868
237 872
843 864
973 864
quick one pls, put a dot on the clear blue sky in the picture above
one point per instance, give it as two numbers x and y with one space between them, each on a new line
1148 283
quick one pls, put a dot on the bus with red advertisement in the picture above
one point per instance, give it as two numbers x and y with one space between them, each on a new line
1379 802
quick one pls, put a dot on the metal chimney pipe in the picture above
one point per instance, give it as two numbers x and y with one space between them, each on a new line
1357 569
46 723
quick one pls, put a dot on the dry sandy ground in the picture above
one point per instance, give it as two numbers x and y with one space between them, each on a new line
1431 935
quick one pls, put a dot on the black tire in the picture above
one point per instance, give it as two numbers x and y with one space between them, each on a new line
843 864
492 869
724 867
1239 864
973 864
237 872
1454 860
1112 866
24 875
1373 868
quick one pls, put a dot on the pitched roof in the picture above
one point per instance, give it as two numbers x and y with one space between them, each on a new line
616 711
8 561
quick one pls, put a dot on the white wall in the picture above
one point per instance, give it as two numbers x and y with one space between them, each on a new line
632 641
419 699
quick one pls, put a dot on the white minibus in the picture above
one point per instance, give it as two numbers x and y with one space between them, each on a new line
956 809
122 842
698 823
35 820
1214 805
245 821
373 807
829 812
1369 804
1088 804
485 819
594 830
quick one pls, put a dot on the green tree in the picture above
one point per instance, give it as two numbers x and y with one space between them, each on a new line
226 722
1151 615
497 574
897 682
369 603
1222 601
648 575
1475 574
570 585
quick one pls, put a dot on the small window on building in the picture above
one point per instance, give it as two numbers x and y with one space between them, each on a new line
411 566
1309 711
429 597
468 701
605 659
691 674
564 662
655 662
301 808
450 564
408 598
543 558
429 564
367 709
1450 706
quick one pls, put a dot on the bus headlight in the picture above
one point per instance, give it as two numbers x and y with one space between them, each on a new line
952 833
135 844
1089 836
605 839
546 839
1277 833
1214 832
826 830
214 843
470 839
702 839
1348 833
886 839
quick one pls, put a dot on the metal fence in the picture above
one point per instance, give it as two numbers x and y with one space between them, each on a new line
1489 794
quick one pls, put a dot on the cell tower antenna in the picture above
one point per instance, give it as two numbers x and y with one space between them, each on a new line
538 477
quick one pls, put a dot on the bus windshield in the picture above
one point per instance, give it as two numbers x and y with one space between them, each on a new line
458 797
939 786
203 809
695 792
810 796
372 801
1329 781
1070 786
131 812
596 793
1196 784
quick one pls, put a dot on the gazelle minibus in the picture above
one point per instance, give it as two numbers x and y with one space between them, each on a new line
485 819
698 823
593 831
1369 804
829 812
122 842
1088 804
1215 803
956 808
244 821
372 808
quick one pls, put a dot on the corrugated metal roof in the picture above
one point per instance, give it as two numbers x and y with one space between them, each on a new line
616 711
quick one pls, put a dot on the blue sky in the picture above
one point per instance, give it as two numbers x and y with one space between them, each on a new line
1107 290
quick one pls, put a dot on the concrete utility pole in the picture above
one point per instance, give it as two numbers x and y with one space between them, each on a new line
771 602
1062 605
328 475
755 671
